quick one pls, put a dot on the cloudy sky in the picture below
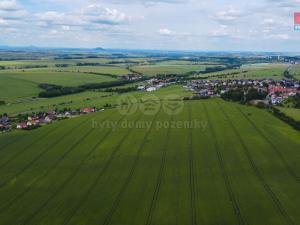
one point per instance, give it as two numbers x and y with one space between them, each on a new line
259 25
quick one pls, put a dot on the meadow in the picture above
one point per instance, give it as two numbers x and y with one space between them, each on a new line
81 100
291 112
163 68
251 71
234 165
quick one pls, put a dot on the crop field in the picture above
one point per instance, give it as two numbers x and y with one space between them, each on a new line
81 100
232 164
18 84
151 70
295 71
58 78
291 112
255 71
113 70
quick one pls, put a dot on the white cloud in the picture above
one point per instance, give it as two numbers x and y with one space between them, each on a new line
279 37
8 5
102 15
228 16
167 24
88 16
3 22
164 31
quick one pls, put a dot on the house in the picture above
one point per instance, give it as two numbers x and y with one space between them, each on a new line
141 88
87 110
150 89
21 125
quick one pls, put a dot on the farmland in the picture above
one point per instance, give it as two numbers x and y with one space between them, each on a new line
251 71
291 112
197 176
151 70
213 162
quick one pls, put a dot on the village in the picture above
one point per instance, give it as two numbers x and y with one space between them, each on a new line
276 90
36 120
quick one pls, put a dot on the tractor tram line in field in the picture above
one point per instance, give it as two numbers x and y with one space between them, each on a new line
44 152
69 179
192 183
27 147
258 174
18 138
108 218
47 172
159 179
275 149
99 176
231 195
14 139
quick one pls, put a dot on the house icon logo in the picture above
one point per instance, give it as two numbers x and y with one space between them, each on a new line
297 21
150 105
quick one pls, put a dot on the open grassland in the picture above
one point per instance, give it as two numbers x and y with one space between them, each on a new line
85 99
295 71
12 88
241 166
54 77
113 70
152 70
17 84
252 71
291 112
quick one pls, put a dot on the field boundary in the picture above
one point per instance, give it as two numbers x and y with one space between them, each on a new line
258 174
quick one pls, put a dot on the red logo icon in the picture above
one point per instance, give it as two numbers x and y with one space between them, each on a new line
297 18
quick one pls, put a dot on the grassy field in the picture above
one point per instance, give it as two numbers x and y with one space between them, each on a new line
113 70
251 71
166 68
85 99
16 84
291 112
241 166
295 71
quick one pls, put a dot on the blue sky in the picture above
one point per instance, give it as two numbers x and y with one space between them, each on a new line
256 25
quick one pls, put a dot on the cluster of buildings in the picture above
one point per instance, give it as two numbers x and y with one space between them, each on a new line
277 94
131 77
277 90
155 84
5 125
36 120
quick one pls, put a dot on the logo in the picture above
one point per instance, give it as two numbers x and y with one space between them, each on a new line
297 21
172 104
127 105
150 105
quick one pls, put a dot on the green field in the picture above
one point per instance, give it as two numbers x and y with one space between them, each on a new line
81 100
291 112
18 84
251 71
241 166
163 68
